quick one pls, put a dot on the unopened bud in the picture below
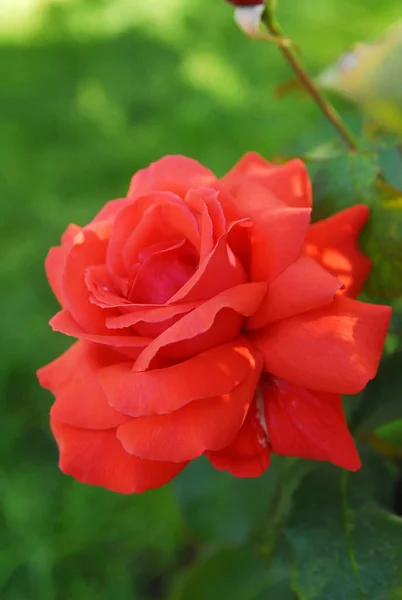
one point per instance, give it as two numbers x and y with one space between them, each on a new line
245 2
249 19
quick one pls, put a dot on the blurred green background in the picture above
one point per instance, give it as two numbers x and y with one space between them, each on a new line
92 90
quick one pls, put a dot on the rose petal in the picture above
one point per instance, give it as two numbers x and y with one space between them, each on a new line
161 225
308 424
195 200
220 271
251 200
202 328
278 238
158 217
110 210
209 424
55 261
98 458
161 275
105 290
54 267
289 182
73 379
68 237
153 330
334 243
150 313
149 320
172 173
212 199
333 349
89 248
160 391
305 285
278 231
131 345
206 203
249 453
251 164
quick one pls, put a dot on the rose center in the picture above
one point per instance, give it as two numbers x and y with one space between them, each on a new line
161 271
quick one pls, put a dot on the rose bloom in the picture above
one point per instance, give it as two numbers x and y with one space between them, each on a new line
212 319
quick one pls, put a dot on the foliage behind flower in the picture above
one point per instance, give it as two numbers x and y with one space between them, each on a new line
212 319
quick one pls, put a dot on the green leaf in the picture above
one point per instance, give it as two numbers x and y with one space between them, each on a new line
391 166
344 544
381 401
391 433
342 182
218 507
396 320
235 573
382 242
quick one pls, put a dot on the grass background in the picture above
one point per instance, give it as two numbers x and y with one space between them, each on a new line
92 90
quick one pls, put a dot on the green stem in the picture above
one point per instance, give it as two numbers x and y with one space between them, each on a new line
308 84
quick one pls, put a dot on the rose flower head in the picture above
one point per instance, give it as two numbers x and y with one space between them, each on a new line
212 319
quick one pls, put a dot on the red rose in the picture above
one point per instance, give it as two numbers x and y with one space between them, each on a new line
211 320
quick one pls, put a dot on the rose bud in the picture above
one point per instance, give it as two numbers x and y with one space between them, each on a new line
249 17
245 2
211 319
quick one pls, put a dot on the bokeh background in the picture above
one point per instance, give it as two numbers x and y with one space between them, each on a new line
91 91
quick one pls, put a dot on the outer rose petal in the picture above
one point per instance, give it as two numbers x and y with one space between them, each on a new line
251 164
55 261
289 182
251 200
334 243
308 424
98 458
68 237
54 267
130 345
110 210
172 173
305 285
334 349
196 332
73 379
278 232
208 424
89 248
249 454
161 391
278 238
